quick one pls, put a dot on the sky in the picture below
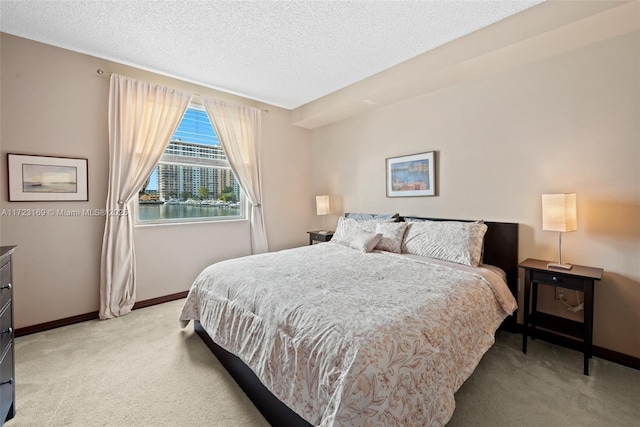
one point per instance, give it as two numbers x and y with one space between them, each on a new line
195 127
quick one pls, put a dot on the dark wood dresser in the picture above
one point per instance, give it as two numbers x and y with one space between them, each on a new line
7 381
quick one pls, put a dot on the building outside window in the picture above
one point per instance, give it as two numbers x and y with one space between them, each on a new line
193 180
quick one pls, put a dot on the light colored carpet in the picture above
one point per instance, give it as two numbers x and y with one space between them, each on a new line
546 388
137 370
143 370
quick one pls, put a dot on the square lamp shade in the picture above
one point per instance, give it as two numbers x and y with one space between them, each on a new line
322 205
559 214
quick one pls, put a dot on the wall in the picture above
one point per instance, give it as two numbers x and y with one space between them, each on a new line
54 103
567 123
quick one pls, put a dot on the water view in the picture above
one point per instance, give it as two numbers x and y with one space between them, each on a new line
152 212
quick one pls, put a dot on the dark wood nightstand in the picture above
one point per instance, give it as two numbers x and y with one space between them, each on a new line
319 236
580 278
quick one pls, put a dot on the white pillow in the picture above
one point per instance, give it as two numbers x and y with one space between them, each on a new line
459 242
392 234
348 226
364 241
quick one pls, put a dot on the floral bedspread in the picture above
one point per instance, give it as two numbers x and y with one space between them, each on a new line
346 338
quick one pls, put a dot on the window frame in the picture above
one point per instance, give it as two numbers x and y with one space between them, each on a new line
194 162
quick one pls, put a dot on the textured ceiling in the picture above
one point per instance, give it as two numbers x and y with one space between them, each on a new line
285 53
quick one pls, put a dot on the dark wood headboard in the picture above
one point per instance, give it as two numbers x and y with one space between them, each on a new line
500 249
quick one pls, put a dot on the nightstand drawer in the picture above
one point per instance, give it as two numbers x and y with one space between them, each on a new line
558 279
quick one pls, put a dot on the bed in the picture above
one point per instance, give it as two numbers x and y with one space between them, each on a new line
352 332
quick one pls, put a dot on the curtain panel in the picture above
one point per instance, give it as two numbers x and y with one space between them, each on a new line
239 129
142 119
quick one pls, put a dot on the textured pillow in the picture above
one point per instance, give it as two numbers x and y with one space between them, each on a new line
347 227
480 221
459 242
392 234
364 241
366 216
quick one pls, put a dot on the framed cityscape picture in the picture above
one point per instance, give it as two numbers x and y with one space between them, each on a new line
47 178
411 176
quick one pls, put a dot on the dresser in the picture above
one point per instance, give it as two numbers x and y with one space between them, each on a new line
7 381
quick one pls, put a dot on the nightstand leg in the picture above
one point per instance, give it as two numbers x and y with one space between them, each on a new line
534 308
527 292
588 323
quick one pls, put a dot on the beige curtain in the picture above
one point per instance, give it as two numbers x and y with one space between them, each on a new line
142 119
239 130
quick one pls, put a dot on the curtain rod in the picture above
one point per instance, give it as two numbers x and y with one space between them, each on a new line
103 74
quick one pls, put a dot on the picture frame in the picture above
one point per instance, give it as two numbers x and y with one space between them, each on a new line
34 178
412 175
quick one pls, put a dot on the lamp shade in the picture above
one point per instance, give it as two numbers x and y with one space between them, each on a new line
559 212
322 205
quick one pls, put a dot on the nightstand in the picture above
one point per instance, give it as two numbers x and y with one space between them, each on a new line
579 278
319 236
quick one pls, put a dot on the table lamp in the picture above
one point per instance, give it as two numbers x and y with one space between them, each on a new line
323 208
559 214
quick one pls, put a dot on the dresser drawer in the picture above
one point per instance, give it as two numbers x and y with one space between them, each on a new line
7 386
558 279
5 284
6 329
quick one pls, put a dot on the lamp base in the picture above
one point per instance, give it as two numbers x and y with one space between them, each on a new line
560 266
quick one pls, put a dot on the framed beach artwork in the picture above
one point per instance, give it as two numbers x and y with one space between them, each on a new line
411 176
47 178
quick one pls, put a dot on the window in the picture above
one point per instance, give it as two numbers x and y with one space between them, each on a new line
193 180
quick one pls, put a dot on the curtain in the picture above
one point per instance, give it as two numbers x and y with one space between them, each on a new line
239 129
142 119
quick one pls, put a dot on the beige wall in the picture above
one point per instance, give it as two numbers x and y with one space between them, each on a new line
568 123
54 103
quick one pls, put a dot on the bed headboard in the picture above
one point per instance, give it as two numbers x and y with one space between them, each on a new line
500 249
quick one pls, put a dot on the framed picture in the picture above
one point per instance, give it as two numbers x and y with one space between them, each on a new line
411 176
46 178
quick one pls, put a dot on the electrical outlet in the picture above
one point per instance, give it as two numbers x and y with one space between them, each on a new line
561 294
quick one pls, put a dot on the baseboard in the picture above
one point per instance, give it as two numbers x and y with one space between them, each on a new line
614 356
601 352
160 300
41 327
